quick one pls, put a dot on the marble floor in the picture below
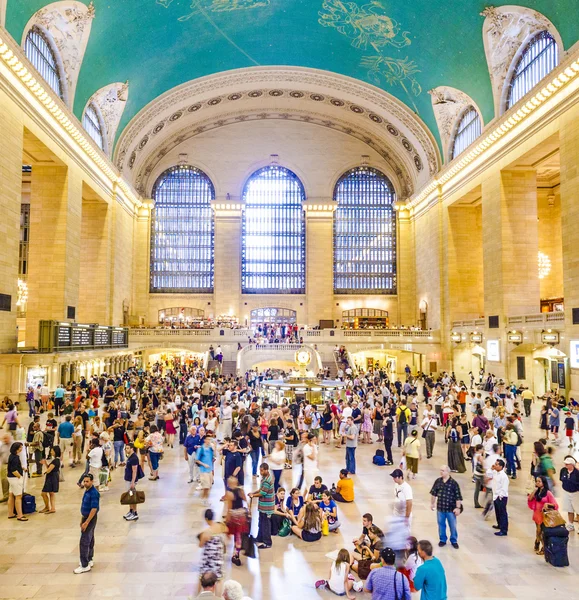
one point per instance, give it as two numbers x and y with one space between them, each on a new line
157 556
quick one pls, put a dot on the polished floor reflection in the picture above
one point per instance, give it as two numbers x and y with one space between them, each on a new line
157 556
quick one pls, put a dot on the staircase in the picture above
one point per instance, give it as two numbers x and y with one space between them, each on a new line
229 367
331 365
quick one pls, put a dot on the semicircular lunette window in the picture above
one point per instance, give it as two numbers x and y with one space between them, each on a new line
39 52
273 251
364 233
538 59
468 130
182 232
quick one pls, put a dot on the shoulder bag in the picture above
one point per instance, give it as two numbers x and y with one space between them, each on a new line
132 497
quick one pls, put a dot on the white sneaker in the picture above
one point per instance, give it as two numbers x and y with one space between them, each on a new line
127 515
91 563
133 517
80 569
570 527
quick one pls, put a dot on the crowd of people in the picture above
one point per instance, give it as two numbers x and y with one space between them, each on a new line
121 426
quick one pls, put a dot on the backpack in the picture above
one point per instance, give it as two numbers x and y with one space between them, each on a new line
104 460
402 417
379 460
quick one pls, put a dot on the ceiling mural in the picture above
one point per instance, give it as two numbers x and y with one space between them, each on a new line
403 48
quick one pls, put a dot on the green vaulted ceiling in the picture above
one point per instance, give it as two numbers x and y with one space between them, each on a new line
405 47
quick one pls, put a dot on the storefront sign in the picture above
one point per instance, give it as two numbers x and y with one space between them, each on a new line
550 338
494 350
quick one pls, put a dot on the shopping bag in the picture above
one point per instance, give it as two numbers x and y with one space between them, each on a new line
552 518
325 527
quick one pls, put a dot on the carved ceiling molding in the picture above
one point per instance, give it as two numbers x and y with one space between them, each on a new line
68 23
505 30
143 183
448 104
292 83
111 101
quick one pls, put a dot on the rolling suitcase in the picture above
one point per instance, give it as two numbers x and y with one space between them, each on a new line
28 504
555 540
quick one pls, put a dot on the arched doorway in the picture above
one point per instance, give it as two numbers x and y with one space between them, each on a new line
272 316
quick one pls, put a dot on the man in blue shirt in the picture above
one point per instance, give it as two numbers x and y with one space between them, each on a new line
89 510
190 445
58 399
64 438
205 458
430 577
386 583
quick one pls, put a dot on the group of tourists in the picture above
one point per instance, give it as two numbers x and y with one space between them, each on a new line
227 428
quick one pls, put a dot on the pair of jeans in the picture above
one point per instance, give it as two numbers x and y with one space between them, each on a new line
510 451
87 541
388 448
182 433
38 456
276 477
119 451
429 439
402 429
443 518
31 409
351 460
502 514
254 461
264 529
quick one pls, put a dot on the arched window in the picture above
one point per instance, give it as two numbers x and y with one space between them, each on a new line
182 232
468 130
93 125
40 54
537 60
364 233
273 256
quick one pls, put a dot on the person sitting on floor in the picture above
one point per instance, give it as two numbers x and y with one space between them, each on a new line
344 491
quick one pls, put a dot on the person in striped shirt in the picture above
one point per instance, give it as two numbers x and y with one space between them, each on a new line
265 507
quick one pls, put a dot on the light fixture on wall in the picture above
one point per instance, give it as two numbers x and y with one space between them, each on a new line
544 265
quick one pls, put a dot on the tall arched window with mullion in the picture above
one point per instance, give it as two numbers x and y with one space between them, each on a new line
468 130
40 53
364 233
93 125
273 253
182 232
539 57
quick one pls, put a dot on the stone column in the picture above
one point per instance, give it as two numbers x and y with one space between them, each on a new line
319 259
227 278
569 153
55 226
510 249
141 264
11 144
406 272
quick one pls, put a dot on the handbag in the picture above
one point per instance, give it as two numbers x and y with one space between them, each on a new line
285 528
426 430
132 497
552 518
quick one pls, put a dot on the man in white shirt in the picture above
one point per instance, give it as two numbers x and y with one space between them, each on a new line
95 459
489 441
402 496
501 497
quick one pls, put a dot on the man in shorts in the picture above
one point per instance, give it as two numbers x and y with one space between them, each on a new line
569 477
205 458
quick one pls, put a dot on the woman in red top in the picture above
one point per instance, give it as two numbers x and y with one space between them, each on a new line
537 500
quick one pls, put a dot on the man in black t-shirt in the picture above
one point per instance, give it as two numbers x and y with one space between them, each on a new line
316 490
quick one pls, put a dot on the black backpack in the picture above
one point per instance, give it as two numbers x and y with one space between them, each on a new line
104 460
402 417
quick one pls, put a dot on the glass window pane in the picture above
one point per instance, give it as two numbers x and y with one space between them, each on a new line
364 233
468 130
182 232
40 54
92 125
539 58
273 241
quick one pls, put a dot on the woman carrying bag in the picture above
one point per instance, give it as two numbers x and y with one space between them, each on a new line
133 472
539 499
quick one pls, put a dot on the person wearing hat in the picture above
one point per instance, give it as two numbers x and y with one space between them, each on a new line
385 582
403 495
569 477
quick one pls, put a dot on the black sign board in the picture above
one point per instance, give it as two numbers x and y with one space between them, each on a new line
81 336
63 336
102 337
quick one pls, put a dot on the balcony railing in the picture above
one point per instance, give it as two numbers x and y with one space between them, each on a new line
539 319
